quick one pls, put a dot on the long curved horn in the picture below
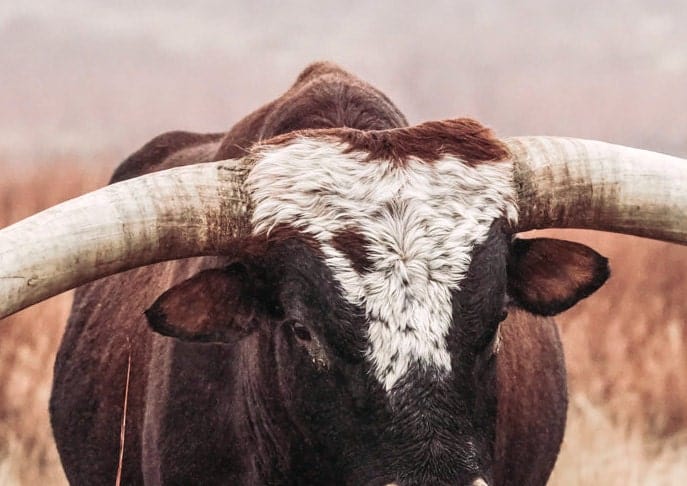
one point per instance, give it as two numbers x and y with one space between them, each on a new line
177 213
573 183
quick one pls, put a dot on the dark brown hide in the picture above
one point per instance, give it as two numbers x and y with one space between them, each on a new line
105 327
168 150
532 399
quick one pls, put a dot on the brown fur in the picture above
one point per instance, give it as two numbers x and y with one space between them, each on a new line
153 155
463 138
352 243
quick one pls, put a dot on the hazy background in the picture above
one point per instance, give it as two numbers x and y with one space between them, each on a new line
93 76
85 83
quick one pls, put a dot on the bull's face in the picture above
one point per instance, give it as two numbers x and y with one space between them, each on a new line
365 309
304 353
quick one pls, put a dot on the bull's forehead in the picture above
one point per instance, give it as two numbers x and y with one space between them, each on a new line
397 235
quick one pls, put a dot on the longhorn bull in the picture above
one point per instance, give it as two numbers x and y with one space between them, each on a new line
361 310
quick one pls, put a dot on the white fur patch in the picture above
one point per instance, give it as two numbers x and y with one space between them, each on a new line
421 221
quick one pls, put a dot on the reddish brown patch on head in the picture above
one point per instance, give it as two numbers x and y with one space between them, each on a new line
352 243
463 138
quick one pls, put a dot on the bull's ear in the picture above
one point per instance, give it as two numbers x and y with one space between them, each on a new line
547 276
215 305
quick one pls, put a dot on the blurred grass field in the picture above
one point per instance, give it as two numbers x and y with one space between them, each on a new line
626 349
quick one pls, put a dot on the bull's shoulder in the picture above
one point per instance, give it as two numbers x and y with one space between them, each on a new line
171 149
532 399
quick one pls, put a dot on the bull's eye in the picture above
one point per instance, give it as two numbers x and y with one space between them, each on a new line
301 332
309 343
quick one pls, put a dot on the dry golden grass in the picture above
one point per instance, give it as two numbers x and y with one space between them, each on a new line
29 342
626 350
599 450
29 339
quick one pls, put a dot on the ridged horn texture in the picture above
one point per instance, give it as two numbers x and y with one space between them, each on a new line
574 183
182 212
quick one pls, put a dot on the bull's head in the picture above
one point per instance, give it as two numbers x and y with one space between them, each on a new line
372 272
